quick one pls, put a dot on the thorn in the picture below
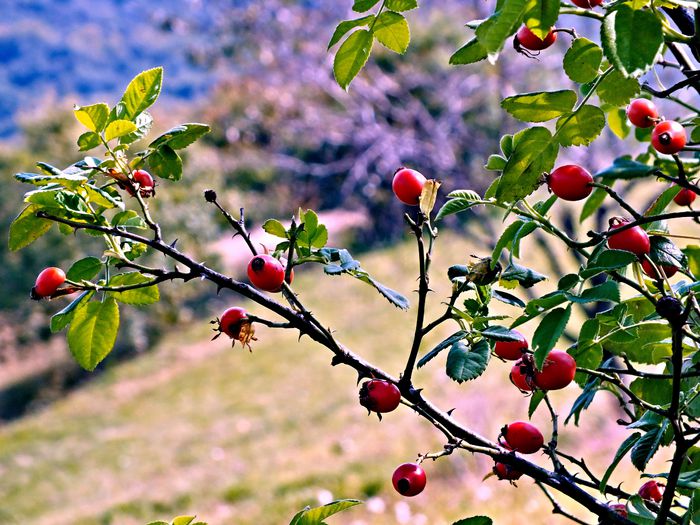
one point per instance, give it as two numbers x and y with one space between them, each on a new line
449 412
218 289
379 416
172 244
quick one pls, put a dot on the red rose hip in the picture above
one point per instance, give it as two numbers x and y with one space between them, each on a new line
522 437
633 239
266 273
48 281
529 40
668 137
557 372
511 350
503 471
232 320
570 182
651 491
649 269
378 395
145 183
586 4
685 197
642 113
409 479
408 185
519 377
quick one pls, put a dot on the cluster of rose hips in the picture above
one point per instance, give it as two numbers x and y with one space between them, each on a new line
668 136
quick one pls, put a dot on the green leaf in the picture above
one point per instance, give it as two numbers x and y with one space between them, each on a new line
144 123
665 252
142 92
662 202
316 515
493 32
648 343
495 163
183 520
500 333
568 281
469 53
27 228
137 296
84 269
582 127
475 520
607 291
541 16
360 6
631 39
275 227
181 136
540 106
166 163
582 60
625 447
507 298
533 154
459 201
626 169
583 401
93 117
71 181
645 448
446 343
616 89
88 141
346 25
608 260
548 333
352 56
465 363
119 128
618 123
63 318
505 240
93 331
527 277
401 5
692 252
535 400
391 29
129 219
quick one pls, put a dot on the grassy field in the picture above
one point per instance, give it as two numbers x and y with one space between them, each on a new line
241 438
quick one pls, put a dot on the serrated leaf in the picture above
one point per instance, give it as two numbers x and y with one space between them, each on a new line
631 39
459 201
129 219
84 269
181 136
500 333
391 29
446 343
616 89
548 333
166 163
582 60
608 291
661 202
137 296
88 141
346 25
144 123
645 448
93 331
507 298
608 260
27 228
580 128
493 32
93 117
401 5
141 92
505 240
665 252
71 181
624 448
540 106
534 153
618 123
316 515
541 16
469 53
63 318
360 6
527 277
275 227
465 362
352 56
626 169
119 128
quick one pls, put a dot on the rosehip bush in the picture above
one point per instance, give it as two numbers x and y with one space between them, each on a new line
604 327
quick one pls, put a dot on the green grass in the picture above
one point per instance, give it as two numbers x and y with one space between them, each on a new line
241 438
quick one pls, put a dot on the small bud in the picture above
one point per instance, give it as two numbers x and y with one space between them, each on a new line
210 195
